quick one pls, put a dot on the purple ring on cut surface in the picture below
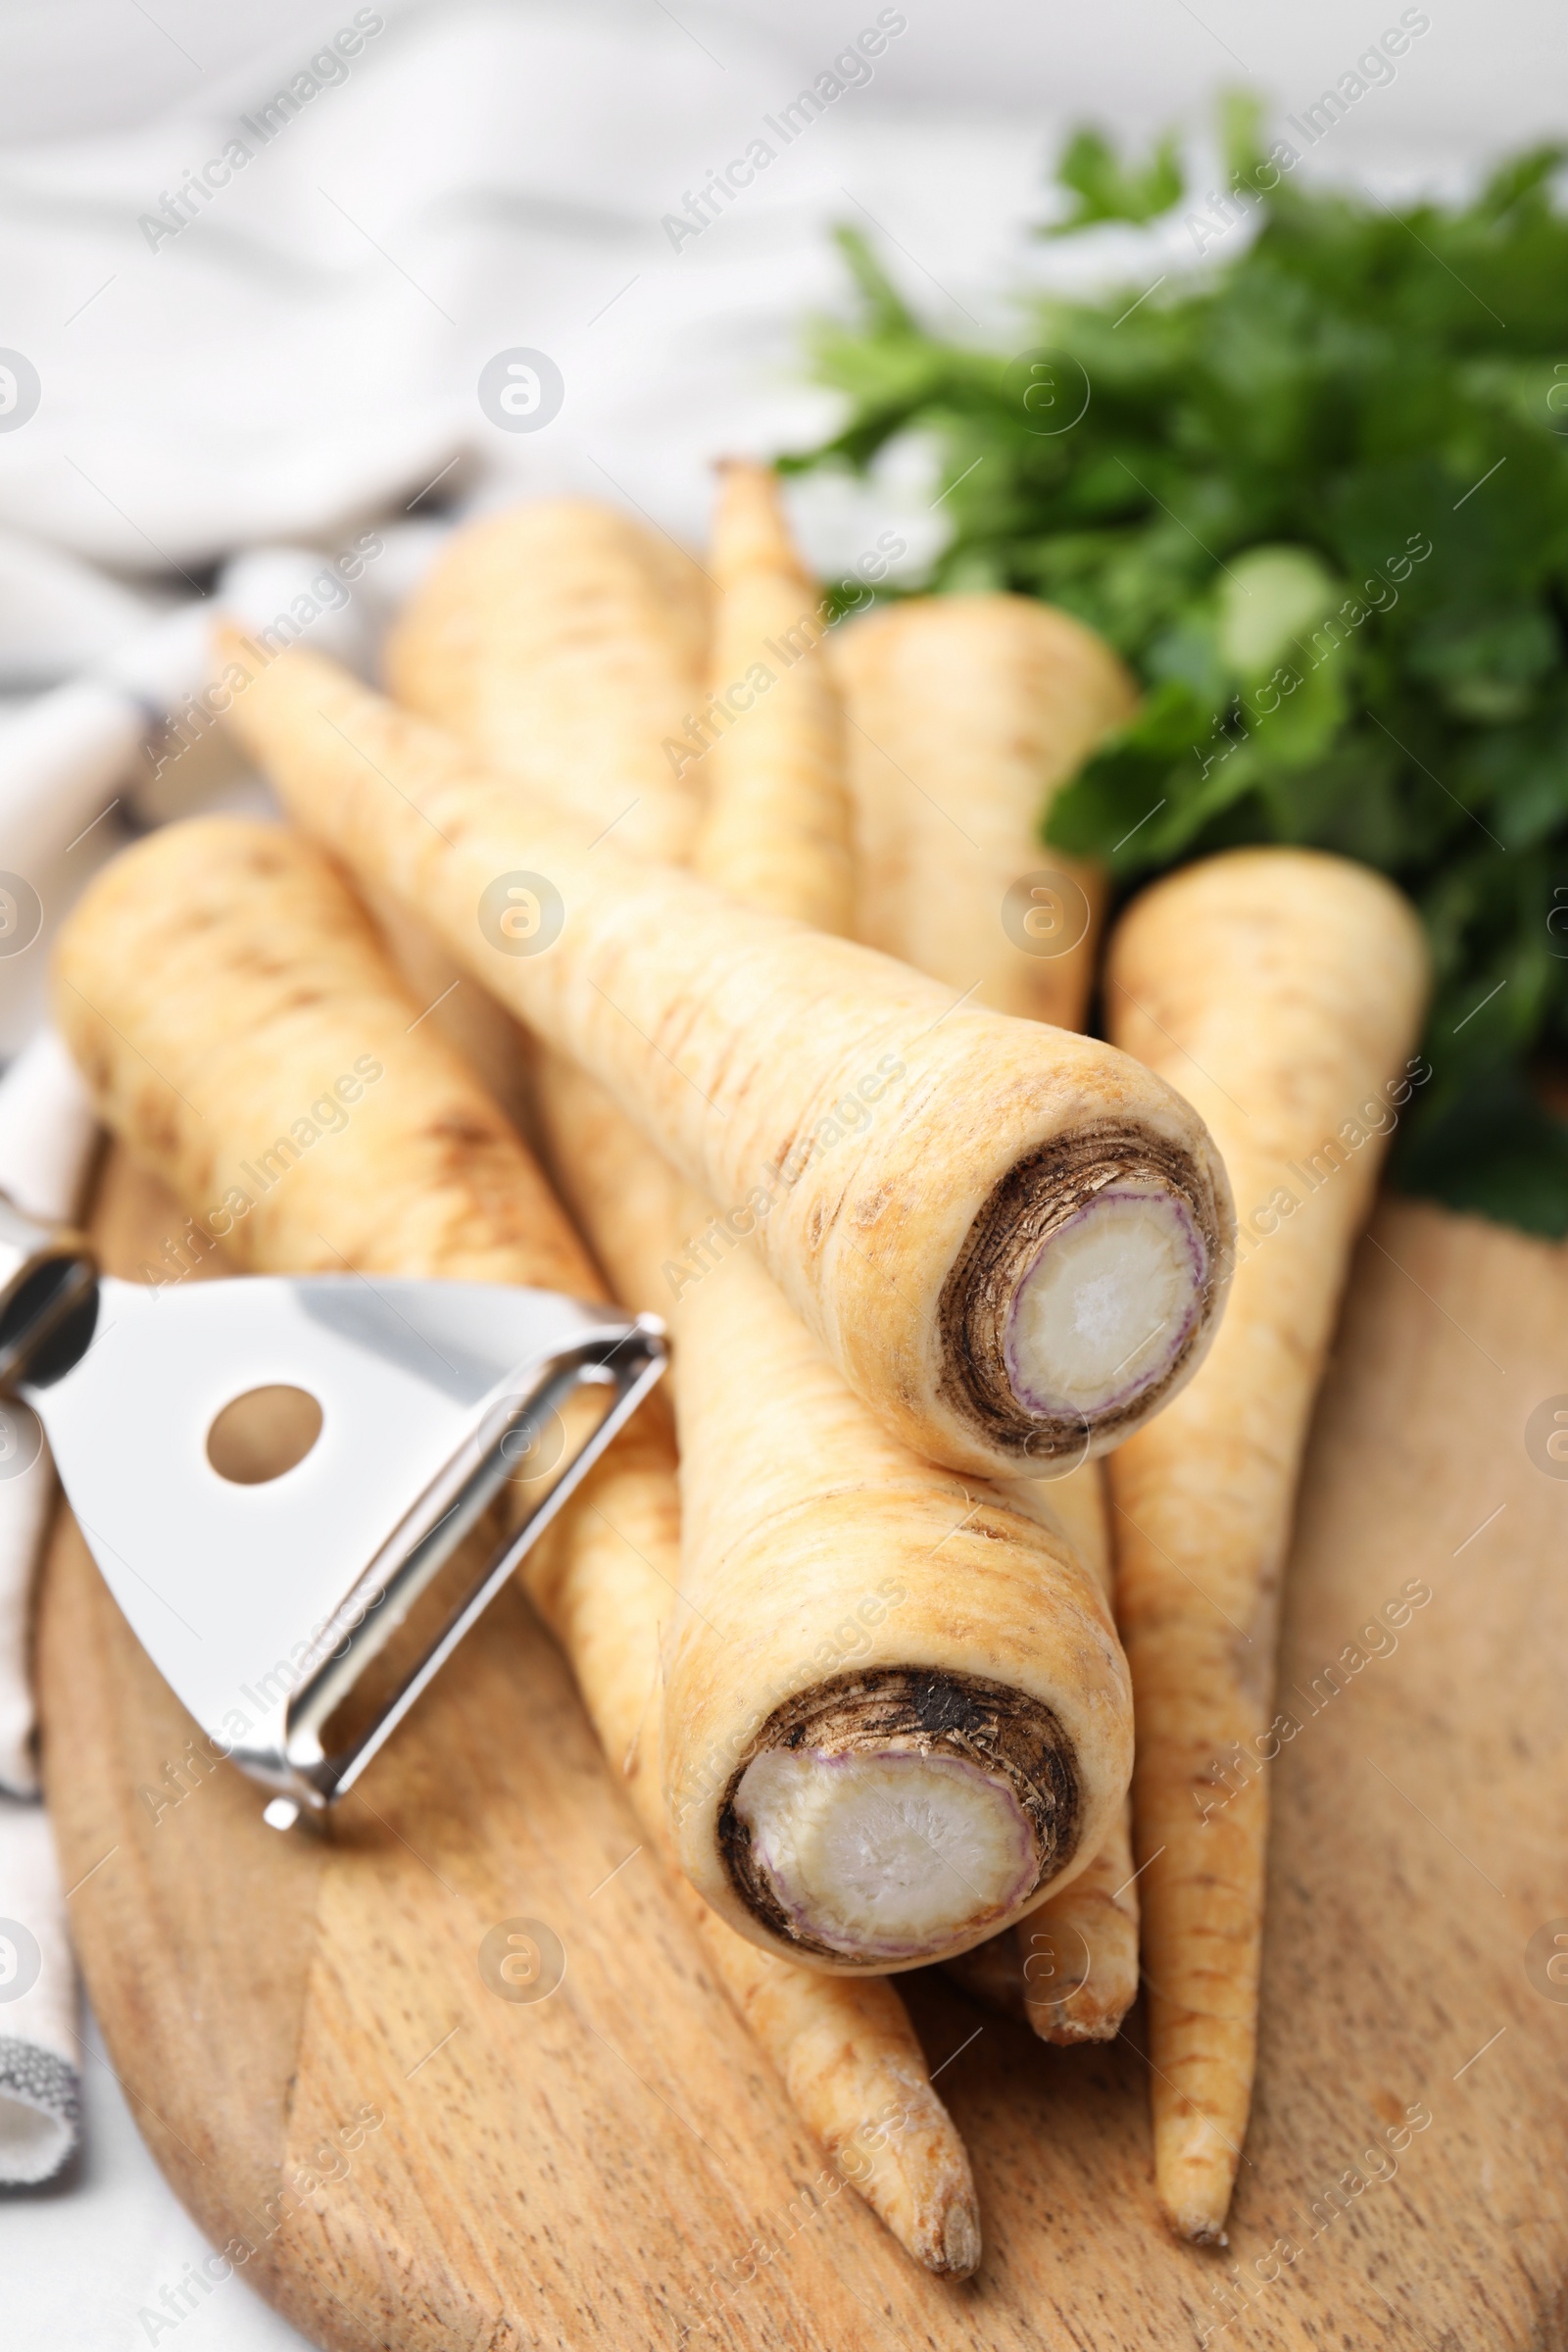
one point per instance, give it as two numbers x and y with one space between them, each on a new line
1030 1398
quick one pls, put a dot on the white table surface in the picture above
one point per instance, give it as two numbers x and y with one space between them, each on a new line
85 2260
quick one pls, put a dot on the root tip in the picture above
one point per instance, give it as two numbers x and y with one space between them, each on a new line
1066 2032
959 2246
1196 2225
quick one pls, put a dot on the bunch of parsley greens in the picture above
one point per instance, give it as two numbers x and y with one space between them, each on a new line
1318 500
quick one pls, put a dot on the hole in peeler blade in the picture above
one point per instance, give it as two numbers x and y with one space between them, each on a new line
261 1435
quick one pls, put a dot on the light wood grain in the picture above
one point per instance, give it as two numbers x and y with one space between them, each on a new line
582 2171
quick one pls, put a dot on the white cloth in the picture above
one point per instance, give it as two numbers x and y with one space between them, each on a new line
306 347
41 2090
46 1140
47 1132
481 175
301 359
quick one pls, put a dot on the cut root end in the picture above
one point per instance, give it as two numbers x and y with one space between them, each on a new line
1109 1303
887 1819
1083 1297
889 1853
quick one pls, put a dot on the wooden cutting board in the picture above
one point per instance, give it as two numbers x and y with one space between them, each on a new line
616 2166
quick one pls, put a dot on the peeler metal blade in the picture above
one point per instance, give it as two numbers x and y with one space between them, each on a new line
267 1605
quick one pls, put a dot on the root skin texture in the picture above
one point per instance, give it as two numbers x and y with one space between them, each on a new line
966 714
1283 990
813 1542
616 622
235 960
775 829
844 2047
903 1159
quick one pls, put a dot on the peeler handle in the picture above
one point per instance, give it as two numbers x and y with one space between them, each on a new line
48 1297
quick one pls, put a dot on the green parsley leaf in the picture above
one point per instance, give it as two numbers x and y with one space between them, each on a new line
1318 500
1109 189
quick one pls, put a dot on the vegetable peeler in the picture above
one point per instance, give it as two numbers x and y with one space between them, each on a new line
298 1614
